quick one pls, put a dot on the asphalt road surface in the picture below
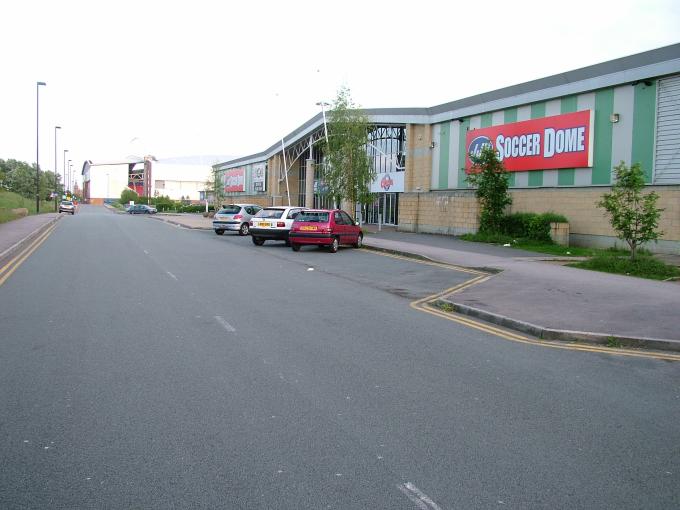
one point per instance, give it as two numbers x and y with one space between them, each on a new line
148 366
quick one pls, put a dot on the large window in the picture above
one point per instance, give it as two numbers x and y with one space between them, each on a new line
387 148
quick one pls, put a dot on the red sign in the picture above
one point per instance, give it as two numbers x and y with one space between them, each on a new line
561 141
235 179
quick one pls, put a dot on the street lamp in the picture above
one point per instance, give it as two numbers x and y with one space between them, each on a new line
37 144
323 105
56 173
64 168
69 175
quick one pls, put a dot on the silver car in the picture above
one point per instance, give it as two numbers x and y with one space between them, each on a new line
234 217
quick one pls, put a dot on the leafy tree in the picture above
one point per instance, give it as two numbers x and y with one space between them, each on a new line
491 179
349 172
214 185
20 177
633 215
128 195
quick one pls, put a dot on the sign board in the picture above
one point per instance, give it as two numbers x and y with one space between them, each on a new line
259 177
390 182
560 141
234 180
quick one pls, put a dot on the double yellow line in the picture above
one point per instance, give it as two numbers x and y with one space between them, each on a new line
425 305
9 268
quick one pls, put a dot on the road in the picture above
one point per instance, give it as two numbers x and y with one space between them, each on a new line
149 366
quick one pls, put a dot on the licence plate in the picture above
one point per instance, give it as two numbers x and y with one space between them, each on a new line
264 224
308 227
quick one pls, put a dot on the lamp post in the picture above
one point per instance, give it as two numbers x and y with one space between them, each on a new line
37 144
69 175
64 168
323 105
56 173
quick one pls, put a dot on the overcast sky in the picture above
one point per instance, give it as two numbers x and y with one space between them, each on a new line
175 78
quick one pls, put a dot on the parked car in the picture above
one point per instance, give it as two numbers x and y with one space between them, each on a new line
234 217
324 227
141 209
67 206
273 223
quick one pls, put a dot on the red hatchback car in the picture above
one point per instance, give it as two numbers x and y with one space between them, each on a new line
324 227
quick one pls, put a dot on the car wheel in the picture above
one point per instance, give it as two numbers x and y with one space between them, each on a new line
243 231
287 242
219 232
333 248
295 247
258 241
360 241
72 213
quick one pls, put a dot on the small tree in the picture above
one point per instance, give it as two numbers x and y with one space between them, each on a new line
491 179
633 215
349 172
128 195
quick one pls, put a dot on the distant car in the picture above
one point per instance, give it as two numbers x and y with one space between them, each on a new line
141 209
324 227
234 217
67 206
273 223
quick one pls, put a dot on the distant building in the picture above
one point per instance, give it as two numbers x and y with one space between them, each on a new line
106 180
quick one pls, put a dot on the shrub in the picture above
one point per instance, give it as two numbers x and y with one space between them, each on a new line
491 179
530 225
127 196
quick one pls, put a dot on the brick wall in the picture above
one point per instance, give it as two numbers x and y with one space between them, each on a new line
456 212
418 157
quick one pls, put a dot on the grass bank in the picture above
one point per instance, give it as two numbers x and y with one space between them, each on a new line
10 200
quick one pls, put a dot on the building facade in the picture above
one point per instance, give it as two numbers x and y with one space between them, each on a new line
559 137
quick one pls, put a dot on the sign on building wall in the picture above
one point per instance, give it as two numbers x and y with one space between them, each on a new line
234 180
560 141
389 182
259 177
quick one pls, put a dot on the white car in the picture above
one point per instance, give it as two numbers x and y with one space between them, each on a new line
234 217
273 223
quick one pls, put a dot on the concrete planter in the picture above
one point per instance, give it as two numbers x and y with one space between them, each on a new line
559 233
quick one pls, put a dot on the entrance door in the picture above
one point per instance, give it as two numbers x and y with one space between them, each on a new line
385 206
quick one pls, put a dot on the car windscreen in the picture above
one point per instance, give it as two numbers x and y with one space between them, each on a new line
65 202
270 213
313 216
230 209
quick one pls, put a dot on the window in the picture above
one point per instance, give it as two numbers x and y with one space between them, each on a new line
339 220
313 216
270 213
346 217
292 214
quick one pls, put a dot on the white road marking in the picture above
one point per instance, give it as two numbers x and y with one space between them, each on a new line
418 497
171 275
146 252
225 324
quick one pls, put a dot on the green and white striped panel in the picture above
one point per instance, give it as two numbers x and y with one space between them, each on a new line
631 139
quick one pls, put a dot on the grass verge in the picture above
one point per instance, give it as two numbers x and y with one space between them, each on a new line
10 200
644 266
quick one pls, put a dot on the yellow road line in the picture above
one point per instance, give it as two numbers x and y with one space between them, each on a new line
13 264
424 305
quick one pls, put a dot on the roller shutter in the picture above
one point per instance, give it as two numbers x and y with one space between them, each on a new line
667 161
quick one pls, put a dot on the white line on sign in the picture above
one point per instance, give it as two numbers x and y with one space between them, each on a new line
171 275
225 324
418 497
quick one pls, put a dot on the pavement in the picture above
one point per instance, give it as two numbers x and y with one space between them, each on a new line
17 234
525 291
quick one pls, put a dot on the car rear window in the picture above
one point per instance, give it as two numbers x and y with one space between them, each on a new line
65 202
230 209
314 216
270 213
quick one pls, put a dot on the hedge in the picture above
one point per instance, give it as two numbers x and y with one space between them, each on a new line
530 225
